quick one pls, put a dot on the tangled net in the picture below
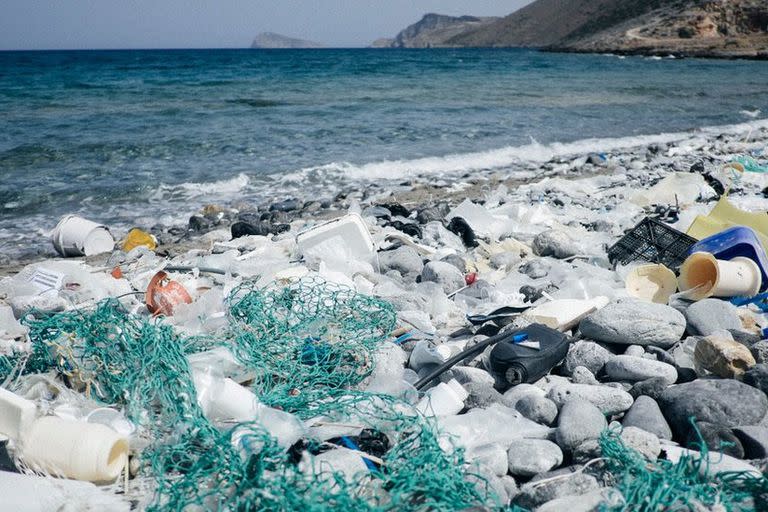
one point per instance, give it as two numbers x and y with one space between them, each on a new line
688 484
311 347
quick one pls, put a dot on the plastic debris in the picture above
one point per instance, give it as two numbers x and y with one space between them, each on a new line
702 275
76 236
652 283
654 242
138 238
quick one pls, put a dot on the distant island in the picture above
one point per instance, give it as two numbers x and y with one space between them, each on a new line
272 40
700 28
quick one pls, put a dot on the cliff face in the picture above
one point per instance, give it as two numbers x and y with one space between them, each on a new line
433 31
718 28
272 40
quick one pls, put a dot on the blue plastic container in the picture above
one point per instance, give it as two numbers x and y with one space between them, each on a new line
734 242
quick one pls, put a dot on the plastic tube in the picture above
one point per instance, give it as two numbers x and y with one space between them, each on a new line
707 276
73 449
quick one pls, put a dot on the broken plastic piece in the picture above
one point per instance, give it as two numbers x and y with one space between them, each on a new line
563 314
76 236
706 276
725 215
654 242
346 238
16 414
652 283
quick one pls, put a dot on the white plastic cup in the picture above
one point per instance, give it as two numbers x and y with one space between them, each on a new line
73 449
223 399
706 276
445 399
76 236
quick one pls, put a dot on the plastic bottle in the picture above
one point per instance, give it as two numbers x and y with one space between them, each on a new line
445 399
73 449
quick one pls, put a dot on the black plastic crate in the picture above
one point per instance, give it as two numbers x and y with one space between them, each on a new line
654 242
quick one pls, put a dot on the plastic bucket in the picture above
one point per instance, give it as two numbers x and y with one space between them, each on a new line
76 236
72 449
706 276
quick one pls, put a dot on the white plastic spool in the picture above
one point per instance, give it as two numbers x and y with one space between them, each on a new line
73 449
706 276
76 236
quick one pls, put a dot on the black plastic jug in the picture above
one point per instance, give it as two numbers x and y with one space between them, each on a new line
512 362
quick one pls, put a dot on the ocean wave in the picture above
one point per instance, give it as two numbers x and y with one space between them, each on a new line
198 190
507 156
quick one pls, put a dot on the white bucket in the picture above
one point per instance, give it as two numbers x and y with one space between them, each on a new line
706 276
73 449
76 236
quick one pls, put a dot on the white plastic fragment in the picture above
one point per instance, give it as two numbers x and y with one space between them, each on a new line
445 399
564 314
343 240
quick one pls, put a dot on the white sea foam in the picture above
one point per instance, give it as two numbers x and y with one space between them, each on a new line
508 156
214 189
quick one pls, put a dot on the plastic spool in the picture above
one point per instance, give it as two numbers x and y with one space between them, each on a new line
72 449
652 283
706 276
445 399
76 236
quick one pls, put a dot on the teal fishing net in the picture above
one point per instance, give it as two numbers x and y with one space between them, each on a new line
688 484
310 346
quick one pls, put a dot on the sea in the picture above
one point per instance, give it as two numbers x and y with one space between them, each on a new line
136 138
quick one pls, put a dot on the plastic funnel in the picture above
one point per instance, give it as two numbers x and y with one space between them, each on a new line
706 276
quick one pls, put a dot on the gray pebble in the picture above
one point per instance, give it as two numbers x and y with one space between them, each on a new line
445 274
579 421
645 443
634 322
633 369
467 374
532 495
537 408
481 395
760 351
653 388
554 242
581 375
403 259
588 354
754 440
634 350
528 457
609 400
645 414
516 393
535 269
709 315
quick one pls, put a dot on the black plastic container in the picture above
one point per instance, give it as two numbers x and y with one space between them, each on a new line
654 242
513 363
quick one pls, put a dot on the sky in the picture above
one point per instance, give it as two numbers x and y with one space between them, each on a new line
83 24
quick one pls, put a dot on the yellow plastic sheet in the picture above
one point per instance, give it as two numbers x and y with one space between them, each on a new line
725 215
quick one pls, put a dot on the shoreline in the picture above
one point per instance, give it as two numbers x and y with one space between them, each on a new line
565 161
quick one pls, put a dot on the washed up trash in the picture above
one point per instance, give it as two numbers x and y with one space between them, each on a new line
16 414
76 236
725 215
652 283
164 294
515 363
424 353
738 241
73 449
31 493
680 188
564 314
136 237
445 399
654 242
344 239
702 275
